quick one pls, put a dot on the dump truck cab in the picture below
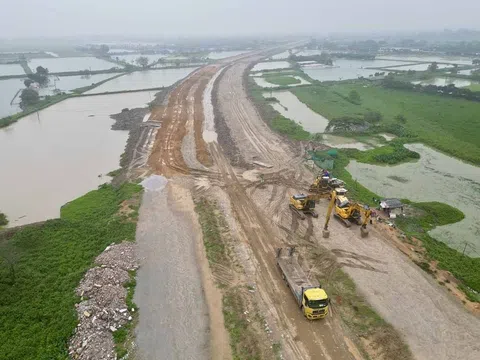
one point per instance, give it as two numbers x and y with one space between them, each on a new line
315 303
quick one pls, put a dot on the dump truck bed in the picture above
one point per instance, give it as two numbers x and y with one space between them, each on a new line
294 275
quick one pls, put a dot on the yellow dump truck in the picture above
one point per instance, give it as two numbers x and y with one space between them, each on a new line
309 295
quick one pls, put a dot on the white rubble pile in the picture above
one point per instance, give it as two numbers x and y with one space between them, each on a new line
103 309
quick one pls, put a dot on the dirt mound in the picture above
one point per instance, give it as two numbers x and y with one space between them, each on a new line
101 276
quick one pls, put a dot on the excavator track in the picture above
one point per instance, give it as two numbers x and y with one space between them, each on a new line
342 220
300 214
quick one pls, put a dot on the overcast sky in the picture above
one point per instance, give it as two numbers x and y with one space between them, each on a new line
27 18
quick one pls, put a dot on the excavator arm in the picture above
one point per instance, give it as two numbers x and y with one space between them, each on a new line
326 232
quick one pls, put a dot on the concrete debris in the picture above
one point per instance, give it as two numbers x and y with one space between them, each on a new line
121 256
103 309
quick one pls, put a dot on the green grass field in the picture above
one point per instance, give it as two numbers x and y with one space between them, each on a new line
40 267
447 124
281 80
474 87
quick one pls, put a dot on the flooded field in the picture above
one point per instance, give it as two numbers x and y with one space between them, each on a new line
417 67
337 73
271 65
8 89
442 81
445 59
143 80
342 142
216 55
293 109
11 69
262 82
435 177
71 64
53 157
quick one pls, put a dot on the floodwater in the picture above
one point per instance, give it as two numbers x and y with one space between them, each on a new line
60 153
435 177
388 137
11 69
341 142
69 83
271 65
445 59
416 67
8 89
293 109
71 64
225 54
444 81
138 80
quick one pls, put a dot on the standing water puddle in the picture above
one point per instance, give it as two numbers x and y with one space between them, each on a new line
435 177
58 155
293 109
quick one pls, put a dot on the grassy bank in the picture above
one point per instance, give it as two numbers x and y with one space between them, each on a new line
281 80
41 267
245 342
448 124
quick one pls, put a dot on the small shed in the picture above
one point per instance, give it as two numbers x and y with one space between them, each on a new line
391 206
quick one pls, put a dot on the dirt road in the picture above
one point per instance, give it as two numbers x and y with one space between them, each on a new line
173 318
432 323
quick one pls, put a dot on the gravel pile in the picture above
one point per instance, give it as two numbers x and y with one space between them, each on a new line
103 309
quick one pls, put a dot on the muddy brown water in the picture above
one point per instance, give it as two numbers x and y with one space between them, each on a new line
435 177
57 155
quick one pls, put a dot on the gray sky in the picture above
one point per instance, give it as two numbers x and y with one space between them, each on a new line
53 18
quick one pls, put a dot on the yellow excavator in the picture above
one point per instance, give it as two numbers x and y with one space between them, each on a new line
325 184
302 204
347 212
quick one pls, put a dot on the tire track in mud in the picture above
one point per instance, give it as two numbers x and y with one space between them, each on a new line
303 339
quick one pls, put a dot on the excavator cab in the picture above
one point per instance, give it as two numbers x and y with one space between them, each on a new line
303 204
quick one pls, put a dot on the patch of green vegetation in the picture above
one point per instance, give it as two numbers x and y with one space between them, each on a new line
212 238
281 80
3 220
40 267
243 341
114 173
474 87
391 154
122 335
448 124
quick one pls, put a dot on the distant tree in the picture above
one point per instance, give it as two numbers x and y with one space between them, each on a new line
433 67
28 82
177 63
476 61
3 219
42 71
354 97
142 61
401 118
29 97
104 49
